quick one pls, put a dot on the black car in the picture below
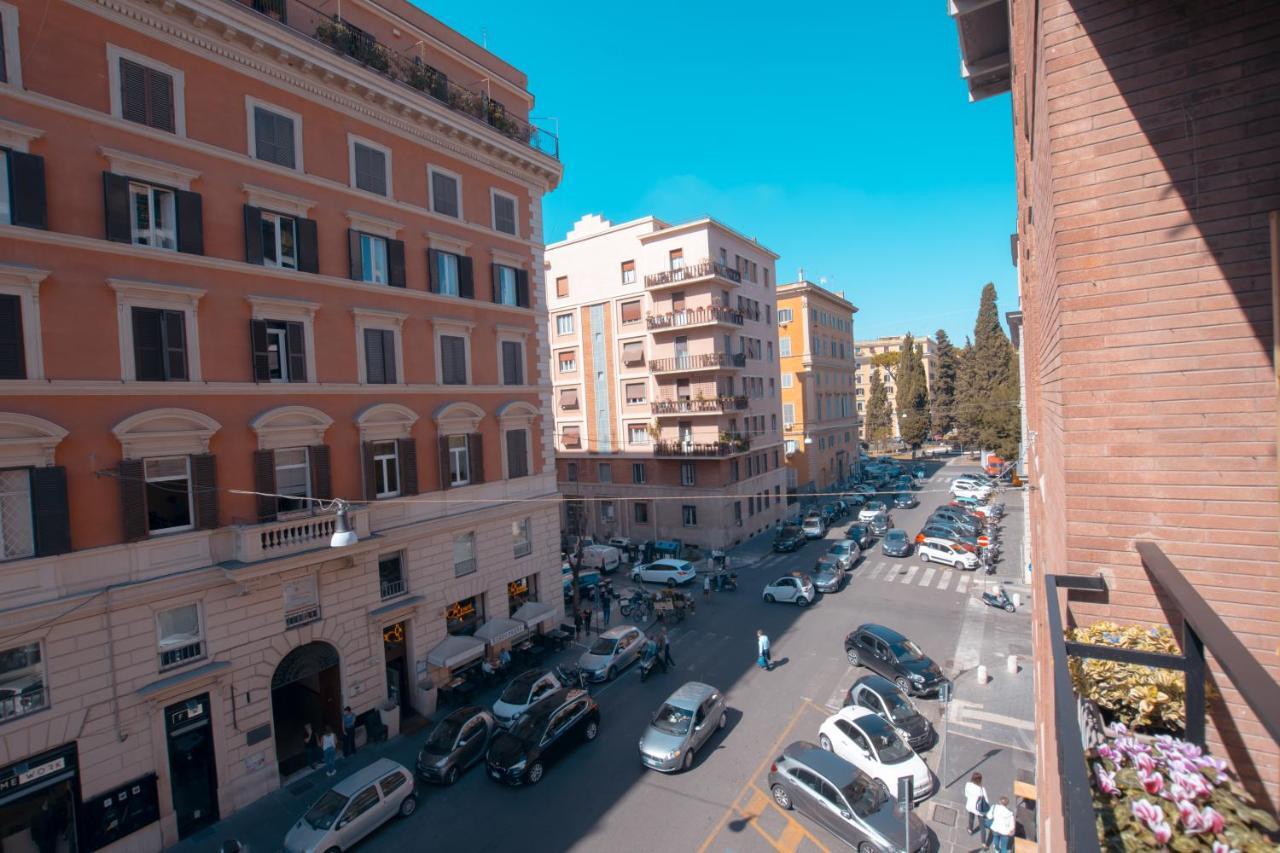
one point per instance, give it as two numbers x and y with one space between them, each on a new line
885 651
933 530
959 524
880 524
896 543
547 731
855 500
905 500
457 742
788 540
884 698
860 532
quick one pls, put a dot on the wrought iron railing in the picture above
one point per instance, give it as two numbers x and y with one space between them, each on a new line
713 404
175 655
737 444
392 588
693 317
689 272
406 69
700 361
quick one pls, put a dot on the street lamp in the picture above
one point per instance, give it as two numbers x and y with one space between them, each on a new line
343 534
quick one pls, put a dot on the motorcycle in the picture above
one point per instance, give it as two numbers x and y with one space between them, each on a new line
1001 601
572 675
649 662
637 601
726 581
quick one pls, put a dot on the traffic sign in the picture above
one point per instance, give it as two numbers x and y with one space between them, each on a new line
984 541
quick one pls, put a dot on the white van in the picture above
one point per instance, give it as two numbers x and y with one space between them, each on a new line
606 558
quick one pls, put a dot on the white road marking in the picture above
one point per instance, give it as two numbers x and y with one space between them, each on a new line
961 709
969 646
946 578
928 576
876 570
962 584
836 700
911 572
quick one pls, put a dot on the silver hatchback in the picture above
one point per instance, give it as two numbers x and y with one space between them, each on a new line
682 726
353 808
612 652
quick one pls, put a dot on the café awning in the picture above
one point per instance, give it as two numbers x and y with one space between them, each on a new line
455 651
499 630
534 613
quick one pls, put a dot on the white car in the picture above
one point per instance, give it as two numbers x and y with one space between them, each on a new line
867 741
796 588
521 693
871 509
971 490
813 528
669 572
948 553
846 553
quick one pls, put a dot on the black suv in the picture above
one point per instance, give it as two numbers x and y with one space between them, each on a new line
788 539
547 731
885 651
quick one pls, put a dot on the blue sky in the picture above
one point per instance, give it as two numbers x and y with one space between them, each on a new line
843 140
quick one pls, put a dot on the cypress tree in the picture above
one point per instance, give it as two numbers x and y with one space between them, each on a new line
992 382
879 418
943 392
912 394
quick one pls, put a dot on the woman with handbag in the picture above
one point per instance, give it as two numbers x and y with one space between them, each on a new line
977 804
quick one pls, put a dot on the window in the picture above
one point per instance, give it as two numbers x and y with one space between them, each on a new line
386 469
464 554
635 393
784 346
22 681
391 784
159 345
459 461
564 324
181 639
568 398
571 472
370 167
373 259
274 137
568 361
168 494
607 512
504 213
571 437
380 357
505 291
788 413
153 216
637 434
446 194
633 353
521 540
689 514
631 311
638 473
293 478
447 273
641 513
279 351
628 272
147 96
17 533
13 357
605 472
391 577
562 286
773 422
280 241
769 344
453 360
787 379
675 259
517 453
10 67
687 474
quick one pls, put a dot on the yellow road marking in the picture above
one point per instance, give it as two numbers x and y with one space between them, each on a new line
791 838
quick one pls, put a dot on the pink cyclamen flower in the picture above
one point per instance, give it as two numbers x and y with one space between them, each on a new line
1223 847
1210 762
1105 751
1106 781
1211 819
1152 782
1120 729
1190 816
1147 812
1145 763
1163 832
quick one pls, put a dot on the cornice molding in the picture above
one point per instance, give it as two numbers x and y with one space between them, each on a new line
148 168
14 388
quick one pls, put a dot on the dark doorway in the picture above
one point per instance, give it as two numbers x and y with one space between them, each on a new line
193 776
306 688
394 650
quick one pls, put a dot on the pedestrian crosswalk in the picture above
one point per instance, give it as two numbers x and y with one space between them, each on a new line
908 574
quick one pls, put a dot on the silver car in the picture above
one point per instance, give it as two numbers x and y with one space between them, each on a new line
682 726
353 808
846 552
612 652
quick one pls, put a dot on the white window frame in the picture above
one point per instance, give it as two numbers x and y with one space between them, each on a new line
431 192
560 332
468 540
691 470
376 318
784 315
516 335
155 236
458 328
380 273
191 502
559 363
494 195
623 271
250 104
525 526
44 680
199 640
627 400
288 310
115 54
788 379
277 262
352 140
380 460
306 470
463 452
24 475
24 283
12 55
170 297
784 347
644 434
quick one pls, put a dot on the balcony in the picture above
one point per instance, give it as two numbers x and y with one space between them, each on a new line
714 449
710 406
257 542
402 68
393 587
715 315
702 361
705 268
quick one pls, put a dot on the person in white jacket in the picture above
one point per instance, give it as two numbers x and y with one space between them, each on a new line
976 804
1002 825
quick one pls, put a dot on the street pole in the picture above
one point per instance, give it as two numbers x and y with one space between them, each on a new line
944 699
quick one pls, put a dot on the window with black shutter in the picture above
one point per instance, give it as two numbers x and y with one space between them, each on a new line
159 345
22 192
504 214
517 453
371 168
380 356
146 96
444 194
279 351
273 138
512 363
13 356
453 360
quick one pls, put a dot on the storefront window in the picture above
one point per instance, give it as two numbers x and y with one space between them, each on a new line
519 591
21 681
37 811
463 617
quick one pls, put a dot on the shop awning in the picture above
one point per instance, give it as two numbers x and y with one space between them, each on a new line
534 613
455 651
499 630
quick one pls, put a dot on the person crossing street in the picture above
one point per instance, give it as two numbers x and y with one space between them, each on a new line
764 661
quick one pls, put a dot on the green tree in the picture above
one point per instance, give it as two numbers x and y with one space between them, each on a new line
988 408
879 418
943 392
912 394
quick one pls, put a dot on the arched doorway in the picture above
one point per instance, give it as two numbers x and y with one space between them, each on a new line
305 688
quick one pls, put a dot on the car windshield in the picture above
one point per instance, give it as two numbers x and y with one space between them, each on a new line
326 810
888 745
673 720
529 728
443 735
905 650
603 647
516 693
863 796
896 535
901 708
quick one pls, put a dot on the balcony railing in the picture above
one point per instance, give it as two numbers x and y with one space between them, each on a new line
392 588
701 361
691 272
302 616
1202 628
693 317
283 538
707 449
693 407
404 68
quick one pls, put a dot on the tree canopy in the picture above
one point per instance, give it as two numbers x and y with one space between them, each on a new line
879 418
912 394
986 407
943 393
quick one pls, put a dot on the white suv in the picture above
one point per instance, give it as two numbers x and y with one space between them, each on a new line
970 489
939 551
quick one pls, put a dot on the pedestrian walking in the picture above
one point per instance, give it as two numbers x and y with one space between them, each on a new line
706 588
329 743
586 618
606 607
976 805
664 643
348 731
762 645
577 623
1002 826
311 743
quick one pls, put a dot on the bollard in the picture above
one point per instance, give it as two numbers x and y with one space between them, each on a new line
1017 599
982 674
1012 664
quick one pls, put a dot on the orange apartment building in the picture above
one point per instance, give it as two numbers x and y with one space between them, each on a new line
665 372
819 417
1148 255
250 247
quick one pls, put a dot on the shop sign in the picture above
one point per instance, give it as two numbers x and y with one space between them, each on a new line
25 774
518 587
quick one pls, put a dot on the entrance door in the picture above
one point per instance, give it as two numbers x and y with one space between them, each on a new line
306 688
192 773
394 642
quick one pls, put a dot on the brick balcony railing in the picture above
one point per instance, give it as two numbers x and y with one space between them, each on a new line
708 449
701 361
702 269
693 407
693 317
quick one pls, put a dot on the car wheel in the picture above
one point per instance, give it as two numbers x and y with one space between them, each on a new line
592 729
781 797
865 847
535 773
851 655
903 684
801 601
409 805
671 583
724 720
608 676
924 558
769 597
452 776
688 760
825 743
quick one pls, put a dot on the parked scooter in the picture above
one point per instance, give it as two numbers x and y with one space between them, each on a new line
725 581
999 598
572 674
652 659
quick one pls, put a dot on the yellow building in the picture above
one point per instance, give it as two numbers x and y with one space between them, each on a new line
819 414
864 353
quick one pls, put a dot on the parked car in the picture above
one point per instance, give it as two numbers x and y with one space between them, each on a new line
959 515
814 528
828 514
974 506
841 798
948 533
455 743
953 554
353 808
880 524
896 544
788 539
868 741
548 732
588 580
919 472
521 693
612 652
860 534
971 490
827 574
846 553
670 572
885 651
794 588
682 726
856 500
905 500
870 509
606 558
882 696
864 489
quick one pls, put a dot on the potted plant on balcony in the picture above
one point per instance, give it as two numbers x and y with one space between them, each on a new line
334 34
1142 697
